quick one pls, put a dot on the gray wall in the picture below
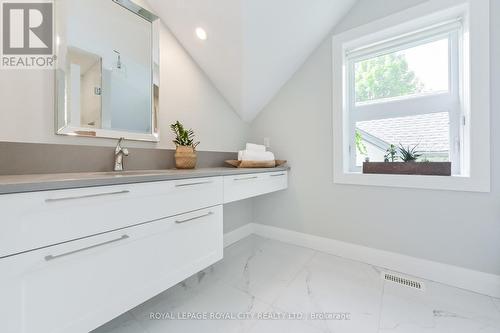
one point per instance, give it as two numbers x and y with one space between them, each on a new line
457 228
237 214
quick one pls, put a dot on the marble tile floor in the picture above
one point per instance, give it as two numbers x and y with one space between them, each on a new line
263 285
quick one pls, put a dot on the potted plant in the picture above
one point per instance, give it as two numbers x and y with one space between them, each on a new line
391 154
409 165
409 154
185 152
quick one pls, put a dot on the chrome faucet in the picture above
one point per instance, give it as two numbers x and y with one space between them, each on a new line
120 152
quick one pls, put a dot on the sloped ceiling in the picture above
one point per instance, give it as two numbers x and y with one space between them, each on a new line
253 46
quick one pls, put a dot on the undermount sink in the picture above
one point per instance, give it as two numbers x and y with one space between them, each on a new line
130 173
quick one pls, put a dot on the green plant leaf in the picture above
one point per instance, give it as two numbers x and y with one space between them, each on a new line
409 154
183 137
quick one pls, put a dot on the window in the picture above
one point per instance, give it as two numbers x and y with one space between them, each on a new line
409 70
416 78
406 92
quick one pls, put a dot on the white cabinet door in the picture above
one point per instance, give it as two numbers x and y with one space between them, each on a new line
78 286
250 185
33 220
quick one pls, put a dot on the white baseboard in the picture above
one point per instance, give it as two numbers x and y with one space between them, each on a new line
483 283
238 234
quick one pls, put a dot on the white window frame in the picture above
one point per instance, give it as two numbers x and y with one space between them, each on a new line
472 171
411 105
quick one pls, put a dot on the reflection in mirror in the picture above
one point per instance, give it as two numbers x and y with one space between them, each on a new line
107 74
84 87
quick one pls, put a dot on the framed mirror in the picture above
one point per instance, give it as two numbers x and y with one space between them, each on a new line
107 74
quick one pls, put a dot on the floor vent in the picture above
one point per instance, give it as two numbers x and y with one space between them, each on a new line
403 281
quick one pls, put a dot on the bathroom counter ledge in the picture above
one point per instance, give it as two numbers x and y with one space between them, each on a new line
45 182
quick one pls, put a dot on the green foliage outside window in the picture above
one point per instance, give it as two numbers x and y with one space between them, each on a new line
360 145
384 77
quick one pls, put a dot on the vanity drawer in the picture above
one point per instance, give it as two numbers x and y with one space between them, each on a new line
34 220
250 185
80 285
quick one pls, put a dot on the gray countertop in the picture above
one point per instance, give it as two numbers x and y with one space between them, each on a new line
45 182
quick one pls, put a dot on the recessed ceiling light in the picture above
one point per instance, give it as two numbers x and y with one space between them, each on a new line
201 33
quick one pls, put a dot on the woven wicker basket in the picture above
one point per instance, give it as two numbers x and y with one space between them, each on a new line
185 157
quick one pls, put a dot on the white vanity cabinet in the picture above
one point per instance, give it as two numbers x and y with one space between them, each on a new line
73 259
37 219
80 285
239 187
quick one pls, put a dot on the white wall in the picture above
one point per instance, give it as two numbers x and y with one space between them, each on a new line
458 228
27 105
27 112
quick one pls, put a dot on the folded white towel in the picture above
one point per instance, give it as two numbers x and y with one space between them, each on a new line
254 147
249 155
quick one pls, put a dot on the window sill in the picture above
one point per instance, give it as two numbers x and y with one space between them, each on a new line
447 183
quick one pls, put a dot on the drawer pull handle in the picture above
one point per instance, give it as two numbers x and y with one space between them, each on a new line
247 178
193 184
87 196
278 175
194 218
51 257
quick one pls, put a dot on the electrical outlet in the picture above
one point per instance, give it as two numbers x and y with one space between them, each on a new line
267 142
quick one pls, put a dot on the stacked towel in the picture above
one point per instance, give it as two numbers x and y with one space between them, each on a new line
254 147
255 152
248 155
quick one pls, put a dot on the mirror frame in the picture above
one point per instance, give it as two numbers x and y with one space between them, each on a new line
62 124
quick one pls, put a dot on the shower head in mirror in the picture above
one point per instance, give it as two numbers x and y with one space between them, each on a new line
119 60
